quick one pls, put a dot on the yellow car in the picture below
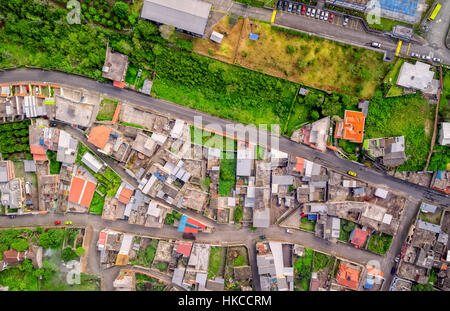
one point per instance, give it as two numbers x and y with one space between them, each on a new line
351 173
68 222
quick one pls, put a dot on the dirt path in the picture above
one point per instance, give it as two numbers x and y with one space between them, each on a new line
436 116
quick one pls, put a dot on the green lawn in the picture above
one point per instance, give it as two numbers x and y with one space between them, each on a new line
302 270
145 256
209 139
55 166
408 115
346 229
131 74
147 283
215 261
321 261
97 204
379 243
306 224
107 109
227 179
386 24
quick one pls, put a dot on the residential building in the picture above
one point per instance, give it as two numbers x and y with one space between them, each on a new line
115 67
418 77
444 134
352 128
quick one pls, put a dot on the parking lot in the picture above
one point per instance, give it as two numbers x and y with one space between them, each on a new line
319 15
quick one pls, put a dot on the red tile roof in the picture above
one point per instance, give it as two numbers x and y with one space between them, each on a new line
352 127
196 223
13 256
81 191
184 249
299 165
347 276
38 153
99 136
102 238
188 229
116 115
125 195
119 84
359 237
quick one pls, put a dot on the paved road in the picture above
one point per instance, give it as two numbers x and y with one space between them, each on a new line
439 29
327 159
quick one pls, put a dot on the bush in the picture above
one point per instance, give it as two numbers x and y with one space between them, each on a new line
68 254
290 49
19 245
80 251
120 9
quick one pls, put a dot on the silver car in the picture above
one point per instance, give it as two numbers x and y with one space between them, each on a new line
322 14
436 60
426 57
415 55
308 11
317 13
313 12
326 16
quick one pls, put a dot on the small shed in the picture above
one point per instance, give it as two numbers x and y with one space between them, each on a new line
253 36
216 37
303 91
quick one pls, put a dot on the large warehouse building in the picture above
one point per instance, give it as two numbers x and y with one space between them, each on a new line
189 16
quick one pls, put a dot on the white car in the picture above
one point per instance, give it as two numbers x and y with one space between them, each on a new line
326 16
289 230
376 45
426 57
415 55
313 12
308 12
436 60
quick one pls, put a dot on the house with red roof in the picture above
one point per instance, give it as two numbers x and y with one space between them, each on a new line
14 257
183 248
81 191
358 237
352 128
38 153
348 276
124 193
99 136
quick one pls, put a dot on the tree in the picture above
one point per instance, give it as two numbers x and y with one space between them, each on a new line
51 239
80 251
422 287
19 245
314 115
167 32
68 254
120 9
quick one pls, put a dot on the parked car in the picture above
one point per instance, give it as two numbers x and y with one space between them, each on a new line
313 12
53 124
317 13
279 5
397 259
322 14
330 19
393 270
188 236
289 230
415 55
298 10
426 57
308 12
57 222
303 10
262 237
294 8
345 21
68 222
351 173
436 60
12 216
326 15
285 5
28 89
376 45
289 7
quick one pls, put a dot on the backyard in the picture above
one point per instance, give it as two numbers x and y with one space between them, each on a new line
146 254
346 229
321 261
147 283
302 270
306 224
216 261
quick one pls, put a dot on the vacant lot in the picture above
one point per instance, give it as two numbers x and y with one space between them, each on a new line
302 270
311 61
107 109
227 179
379 243
410 116
216 262
226 50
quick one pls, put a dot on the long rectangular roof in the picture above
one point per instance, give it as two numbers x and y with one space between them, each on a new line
189 15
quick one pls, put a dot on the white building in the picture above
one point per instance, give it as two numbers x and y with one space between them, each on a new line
444 134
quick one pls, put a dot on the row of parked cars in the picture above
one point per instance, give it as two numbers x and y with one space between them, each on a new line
303 10
426 57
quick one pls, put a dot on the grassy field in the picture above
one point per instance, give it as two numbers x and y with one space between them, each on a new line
391 79
227 180
409 115
379 243
306 224
97 204
208 139
302 269
346 229
147 283
215 261
312 61
55 166
432 218
107 109
385 23
321 261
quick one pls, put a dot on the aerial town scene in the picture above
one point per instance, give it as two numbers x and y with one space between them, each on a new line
225 145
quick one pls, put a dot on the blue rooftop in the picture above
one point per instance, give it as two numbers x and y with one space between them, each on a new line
312 217
406 7
253 36
182 224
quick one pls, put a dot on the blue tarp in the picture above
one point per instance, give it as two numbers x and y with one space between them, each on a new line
369 283
41 142
183 222
439 175
253 36
158 175
312 217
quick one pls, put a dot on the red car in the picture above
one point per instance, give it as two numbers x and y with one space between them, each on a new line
330 18
57 222
303 9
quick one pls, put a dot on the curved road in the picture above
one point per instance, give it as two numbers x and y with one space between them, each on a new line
327 159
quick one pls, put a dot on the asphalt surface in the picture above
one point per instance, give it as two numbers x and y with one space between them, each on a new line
172 110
